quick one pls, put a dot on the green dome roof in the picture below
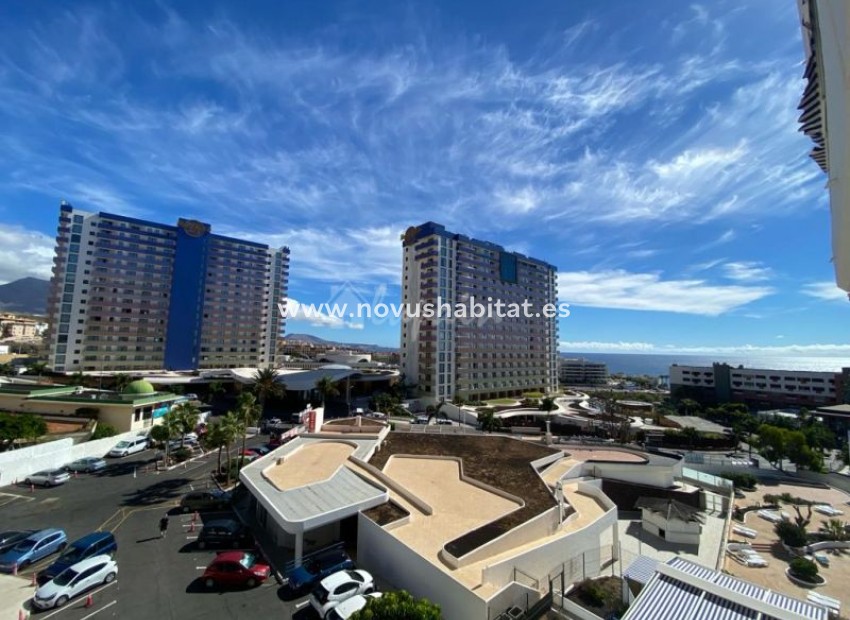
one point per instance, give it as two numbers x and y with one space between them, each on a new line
139 387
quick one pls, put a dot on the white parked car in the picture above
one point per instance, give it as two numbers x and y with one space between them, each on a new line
336 588
346 609
130 446
75 580
49 478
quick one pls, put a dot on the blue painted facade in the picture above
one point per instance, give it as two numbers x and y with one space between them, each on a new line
186 300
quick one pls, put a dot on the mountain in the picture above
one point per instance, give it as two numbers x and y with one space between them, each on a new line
27 296
339 345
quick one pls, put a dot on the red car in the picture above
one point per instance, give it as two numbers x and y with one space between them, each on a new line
235 569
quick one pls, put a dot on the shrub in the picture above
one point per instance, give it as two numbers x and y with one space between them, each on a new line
102 431
804 569
791 534
181 454
591 593
741 480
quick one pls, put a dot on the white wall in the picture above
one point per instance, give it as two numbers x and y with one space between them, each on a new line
18 464
382 554
662 476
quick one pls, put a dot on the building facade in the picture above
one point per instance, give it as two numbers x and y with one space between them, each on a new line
129 294
758 387
481 357
20 327
825 113
582 372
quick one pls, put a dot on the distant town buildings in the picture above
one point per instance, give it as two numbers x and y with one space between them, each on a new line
15 327
574 371
825 117
756 387
475 358
130 294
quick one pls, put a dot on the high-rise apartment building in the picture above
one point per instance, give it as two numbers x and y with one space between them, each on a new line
573 371
129 294
475 358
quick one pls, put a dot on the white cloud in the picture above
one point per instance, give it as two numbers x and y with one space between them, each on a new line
747 271
315 315
24 253
648 291
827 290
815 350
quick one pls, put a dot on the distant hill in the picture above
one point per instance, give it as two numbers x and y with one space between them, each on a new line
27 296
339 345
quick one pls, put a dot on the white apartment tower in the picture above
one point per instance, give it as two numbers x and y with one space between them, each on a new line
484 357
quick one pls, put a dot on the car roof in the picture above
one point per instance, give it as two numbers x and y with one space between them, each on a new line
336 579
89 562
229 556
91 538
45 532
355 603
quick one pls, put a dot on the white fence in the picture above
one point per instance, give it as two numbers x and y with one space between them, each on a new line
15 465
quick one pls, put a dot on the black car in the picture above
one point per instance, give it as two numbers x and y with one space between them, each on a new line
225 533
199 501
11 538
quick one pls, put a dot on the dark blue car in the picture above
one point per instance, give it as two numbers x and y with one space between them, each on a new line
34 547
90 545
317 567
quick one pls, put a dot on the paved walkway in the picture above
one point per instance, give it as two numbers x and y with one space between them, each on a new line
14 592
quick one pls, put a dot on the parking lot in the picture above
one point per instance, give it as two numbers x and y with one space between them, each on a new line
157 577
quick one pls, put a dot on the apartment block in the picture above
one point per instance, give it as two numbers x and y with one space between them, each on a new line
476 358
582 372
758 387
130 294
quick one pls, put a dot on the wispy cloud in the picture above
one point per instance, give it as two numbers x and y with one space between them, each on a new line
827 291
747 271
649 291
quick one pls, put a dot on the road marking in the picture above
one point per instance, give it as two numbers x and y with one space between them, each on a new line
107 606
200 568
92 593
191 538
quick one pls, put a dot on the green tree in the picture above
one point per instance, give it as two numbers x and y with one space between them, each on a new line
267 385
215 439
231 427
488 421
216 388
17 427
834 529
804 569
121 381
688 406
102 431
691 434
249 412
772 444
398 605
791 534
326 387
7 370
185 417
36 368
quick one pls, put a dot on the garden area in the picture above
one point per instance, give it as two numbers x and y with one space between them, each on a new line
602 596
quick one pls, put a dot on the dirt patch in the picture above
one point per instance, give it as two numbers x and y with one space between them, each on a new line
386 513
501 462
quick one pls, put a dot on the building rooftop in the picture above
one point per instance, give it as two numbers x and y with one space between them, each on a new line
709 595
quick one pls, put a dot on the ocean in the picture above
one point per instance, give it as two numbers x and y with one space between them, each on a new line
659 364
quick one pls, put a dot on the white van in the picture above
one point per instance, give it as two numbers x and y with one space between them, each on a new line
129 446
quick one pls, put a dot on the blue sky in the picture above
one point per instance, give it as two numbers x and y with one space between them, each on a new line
651 153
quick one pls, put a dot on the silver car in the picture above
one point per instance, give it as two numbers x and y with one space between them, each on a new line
88 464
49 477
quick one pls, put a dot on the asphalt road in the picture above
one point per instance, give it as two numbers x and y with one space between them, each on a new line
157 578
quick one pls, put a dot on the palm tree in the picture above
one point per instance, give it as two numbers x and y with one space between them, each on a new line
230 427
266 385
691 434
171 426
185 418
834 529
326 387
249 412
215 438
120 381
216 388
7 369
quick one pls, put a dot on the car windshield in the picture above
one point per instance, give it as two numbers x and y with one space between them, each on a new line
122 444
355 576
248 560
65 577
25 545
